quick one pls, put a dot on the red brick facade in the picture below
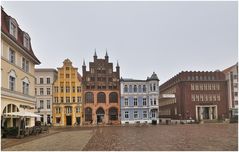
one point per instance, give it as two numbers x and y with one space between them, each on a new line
194 90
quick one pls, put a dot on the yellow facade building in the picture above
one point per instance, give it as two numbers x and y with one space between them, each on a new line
17 74
67 96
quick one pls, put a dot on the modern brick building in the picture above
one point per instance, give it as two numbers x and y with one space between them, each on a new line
139 100
232 83
194 96
101 92
44 93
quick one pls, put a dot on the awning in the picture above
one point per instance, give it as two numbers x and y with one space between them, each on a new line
23 114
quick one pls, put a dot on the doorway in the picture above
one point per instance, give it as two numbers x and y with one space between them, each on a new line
68 121
100 115
205 113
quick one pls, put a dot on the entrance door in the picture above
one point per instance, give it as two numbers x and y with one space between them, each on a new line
205 112
78 120
68 121
100 118
100 115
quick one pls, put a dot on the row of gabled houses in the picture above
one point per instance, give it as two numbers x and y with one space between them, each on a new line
64 97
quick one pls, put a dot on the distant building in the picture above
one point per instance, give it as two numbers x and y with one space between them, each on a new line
232 82
17 74
194 96
101 92
139 100
67 105
44 93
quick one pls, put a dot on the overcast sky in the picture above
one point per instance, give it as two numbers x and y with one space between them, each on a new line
165 37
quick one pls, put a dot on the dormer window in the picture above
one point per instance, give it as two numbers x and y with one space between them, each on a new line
26 41
13 27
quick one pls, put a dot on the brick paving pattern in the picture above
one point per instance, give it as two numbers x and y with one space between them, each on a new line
166 137
211 136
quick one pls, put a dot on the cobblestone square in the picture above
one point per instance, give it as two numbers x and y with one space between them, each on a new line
211 136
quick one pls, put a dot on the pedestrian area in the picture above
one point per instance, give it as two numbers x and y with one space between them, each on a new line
211 136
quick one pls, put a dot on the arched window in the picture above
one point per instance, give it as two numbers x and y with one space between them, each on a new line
100 111
88 114
135 88
10 108
113 97
89 97
101 98
113 113
125 88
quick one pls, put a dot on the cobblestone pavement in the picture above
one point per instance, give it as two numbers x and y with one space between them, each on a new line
213 136
61 141
166 137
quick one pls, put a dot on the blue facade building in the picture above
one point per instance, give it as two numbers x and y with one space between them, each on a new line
139 100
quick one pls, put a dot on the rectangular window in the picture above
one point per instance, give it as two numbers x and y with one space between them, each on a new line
205 86
48 91
77 109
13 29
235 94
126 114
144 88
41 104
26 41
56 89
12 56
196 87
210 97
193 97
126 102
48 104
67 75
78 99
41 91
145 114
35 91
67 89
144 102
25 65
78 89
48 80
41 81
155 101
153 114
197 97
73 89
201 97
135 114
68 110
62 99
201 86
73 99
135 101
12 83
62 89
214 98
25 88
67 99
192 86
56 99
58 110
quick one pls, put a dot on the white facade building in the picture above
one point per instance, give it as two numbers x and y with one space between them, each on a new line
44 93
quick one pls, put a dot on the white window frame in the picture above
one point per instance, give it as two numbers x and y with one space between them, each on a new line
126 100
145 101
126 113
145 112
48 105
12 73
136 99
136 112
10 53
14 33
26 41
25 86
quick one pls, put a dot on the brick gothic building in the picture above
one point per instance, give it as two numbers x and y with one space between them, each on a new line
101 92
194 95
